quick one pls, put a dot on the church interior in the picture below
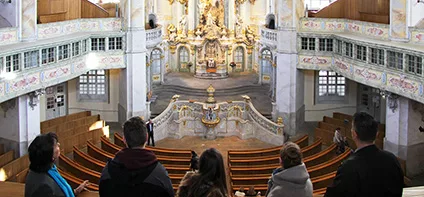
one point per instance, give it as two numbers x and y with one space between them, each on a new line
242 76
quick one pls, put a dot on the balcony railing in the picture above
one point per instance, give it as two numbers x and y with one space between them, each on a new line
154 36
269 36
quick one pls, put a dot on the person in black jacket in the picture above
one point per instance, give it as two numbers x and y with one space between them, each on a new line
369 172
135 171
43 179
150 127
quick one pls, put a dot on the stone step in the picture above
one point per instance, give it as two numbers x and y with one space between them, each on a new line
218 92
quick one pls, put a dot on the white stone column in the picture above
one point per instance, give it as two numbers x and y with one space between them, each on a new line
29 122
404 117
289 80
415 13
231 15
191 17
133 78
399 17
20 124
28 20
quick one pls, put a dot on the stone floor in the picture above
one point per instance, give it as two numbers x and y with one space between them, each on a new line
260 99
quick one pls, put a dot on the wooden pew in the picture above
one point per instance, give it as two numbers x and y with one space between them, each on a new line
1 149
265 151
321 157
78 170
159 152
80 129
56 121
75 182
263 160
7 158
314 171
16 166
119 141
21 176
88 161
80 140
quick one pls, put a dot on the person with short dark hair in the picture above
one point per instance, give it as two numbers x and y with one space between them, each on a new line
135 171
293 178
369 172
194 162
209 181
43 179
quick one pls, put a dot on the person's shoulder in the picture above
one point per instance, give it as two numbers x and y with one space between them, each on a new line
388 155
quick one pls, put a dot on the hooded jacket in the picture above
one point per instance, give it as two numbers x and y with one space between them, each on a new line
290 182
135 172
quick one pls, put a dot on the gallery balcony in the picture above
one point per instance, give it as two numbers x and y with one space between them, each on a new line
154 36
269 37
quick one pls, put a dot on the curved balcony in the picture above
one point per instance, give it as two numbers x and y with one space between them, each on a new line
269 36
154 36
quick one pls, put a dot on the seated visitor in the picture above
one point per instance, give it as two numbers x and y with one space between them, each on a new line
293 178
340 141
43 179
209 181
194 162
135 171
369 171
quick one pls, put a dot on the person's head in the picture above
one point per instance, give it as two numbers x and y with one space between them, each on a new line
135 132
211 169
150 120
338 129
364 128
193 153
43 151
290 155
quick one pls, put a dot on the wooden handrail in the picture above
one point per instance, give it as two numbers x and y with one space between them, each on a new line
7 158
78 170
88 161
91 10
75 182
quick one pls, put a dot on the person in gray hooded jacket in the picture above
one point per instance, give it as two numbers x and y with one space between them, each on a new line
293 178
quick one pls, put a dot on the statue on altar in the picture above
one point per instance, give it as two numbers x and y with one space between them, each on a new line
211 19
172 32
239 27
182 27
211 63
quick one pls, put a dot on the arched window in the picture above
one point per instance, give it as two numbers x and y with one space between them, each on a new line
184 57
239 58
155 57
266 62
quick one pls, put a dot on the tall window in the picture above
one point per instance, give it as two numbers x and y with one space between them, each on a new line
361 52
308 43
339 47
331 87
63 52
48 55
115 43
76 49
325 44
13 63
93 86
377 56
395 60
98 44
266 62
239 57
155 57
31 59
184 56
348 49
84 46
415 64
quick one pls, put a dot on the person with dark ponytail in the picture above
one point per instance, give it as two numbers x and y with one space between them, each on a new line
209 181
43 179
293 178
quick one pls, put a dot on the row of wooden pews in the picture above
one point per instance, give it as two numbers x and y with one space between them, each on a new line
254 167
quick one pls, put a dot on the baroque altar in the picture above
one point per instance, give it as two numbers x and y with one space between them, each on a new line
211 41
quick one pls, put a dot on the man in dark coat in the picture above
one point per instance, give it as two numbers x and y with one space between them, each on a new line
135 171
150 130
369 172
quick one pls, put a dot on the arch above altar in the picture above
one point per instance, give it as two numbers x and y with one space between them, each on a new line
211 60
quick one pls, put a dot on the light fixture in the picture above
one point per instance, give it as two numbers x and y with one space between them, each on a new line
33 97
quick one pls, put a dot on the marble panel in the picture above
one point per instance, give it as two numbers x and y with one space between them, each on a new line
2 89
55 73
354 27
137 13
311 25
417 36
49 30
314 62
368 76
90 25
23 83
402 84
374 31
8 35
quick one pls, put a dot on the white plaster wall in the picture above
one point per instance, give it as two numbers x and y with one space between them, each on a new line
9 12
415 13
9 122
315 112
258 12
108 110
414 122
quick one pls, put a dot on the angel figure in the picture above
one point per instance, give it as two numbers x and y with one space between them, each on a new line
182 27
239 27
172 32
